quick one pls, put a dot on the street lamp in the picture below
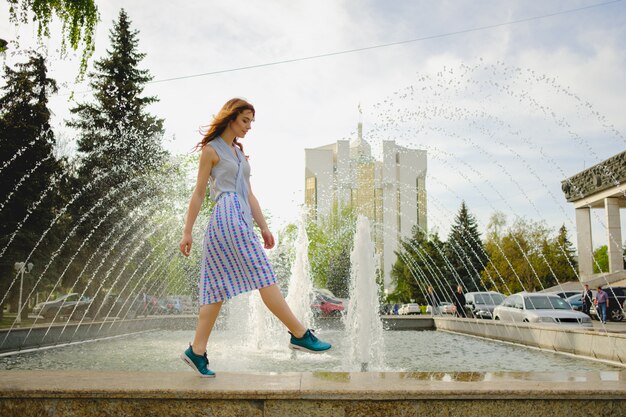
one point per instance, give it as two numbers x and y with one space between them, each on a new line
22 268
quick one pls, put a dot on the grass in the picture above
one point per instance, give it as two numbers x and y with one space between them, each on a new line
8 319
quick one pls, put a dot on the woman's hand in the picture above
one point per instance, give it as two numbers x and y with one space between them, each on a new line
185 244
268 238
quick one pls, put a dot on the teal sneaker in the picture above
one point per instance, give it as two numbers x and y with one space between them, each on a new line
308 343
199 363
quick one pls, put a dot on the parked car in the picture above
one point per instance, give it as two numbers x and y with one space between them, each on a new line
69 304
576 300
112 305
480 304
447 307
156 305
410 308
325 305
174 305
567 294
539 308
617 299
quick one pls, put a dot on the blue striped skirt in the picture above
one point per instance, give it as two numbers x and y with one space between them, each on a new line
233 259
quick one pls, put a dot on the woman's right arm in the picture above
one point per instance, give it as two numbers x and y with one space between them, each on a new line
208 158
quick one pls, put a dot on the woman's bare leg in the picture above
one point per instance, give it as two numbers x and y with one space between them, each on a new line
206 320
276 303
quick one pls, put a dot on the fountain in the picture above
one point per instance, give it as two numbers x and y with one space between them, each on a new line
300 287
476 151
363 325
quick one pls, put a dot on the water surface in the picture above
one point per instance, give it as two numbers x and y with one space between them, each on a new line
405 351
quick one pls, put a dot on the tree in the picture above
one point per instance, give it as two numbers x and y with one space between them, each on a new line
524 257
464 249
282 257
116 129
560 255
79 19
119 141
330 239
117 136
338 281
30 167
420 263
601 259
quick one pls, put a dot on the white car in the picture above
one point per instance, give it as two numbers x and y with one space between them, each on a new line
447 307
411 308
540 308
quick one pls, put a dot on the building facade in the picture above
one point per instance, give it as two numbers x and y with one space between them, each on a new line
391 193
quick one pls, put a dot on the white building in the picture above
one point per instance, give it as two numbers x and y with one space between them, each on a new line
391 192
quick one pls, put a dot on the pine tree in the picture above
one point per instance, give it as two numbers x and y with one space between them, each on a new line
561 256
116 129
29 168
464 249
119 141
419 264
339 273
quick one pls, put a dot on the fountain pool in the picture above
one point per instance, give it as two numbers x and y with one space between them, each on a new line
405 351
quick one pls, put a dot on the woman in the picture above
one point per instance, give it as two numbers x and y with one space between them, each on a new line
232 258
458 298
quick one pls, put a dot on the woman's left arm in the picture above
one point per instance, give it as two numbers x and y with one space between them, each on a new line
257 214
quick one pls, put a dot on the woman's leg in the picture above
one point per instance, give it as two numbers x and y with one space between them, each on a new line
206 320
276 303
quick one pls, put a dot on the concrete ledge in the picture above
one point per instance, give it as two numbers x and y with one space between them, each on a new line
46 334
71 393
408 322
590 343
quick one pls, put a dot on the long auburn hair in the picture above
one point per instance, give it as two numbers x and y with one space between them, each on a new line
228 113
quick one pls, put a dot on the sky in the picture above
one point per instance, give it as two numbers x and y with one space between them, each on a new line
508 97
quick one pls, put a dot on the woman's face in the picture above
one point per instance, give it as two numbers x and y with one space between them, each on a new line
242 123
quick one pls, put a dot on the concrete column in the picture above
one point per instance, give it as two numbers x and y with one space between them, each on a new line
614 234
583 235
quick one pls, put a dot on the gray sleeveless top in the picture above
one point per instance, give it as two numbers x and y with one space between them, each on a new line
231 173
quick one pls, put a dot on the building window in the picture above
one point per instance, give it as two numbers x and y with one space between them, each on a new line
398 217
310 196
417 197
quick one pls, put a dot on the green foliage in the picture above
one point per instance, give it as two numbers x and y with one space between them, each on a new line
339 272
123 170
79 19
420 263
464 249
29 201
330 244
283 255
561 256
601 259
525 257
116 129
119 141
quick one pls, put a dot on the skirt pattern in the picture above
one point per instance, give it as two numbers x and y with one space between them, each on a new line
233 260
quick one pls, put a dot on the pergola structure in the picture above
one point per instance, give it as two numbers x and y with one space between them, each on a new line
601 186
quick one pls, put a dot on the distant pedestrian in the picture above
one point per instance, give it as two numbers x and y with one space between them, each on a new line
587 298
458 298
432 300
395 309
602 304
